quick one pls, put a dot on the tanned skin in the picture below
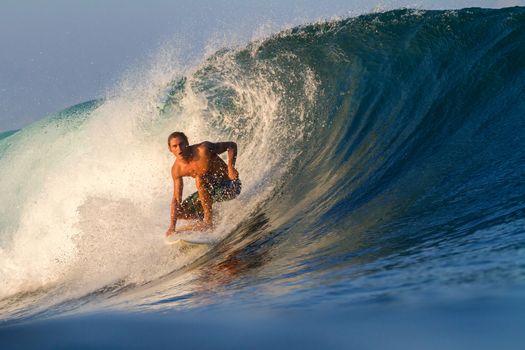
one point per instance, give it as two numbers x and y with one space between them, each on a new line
200 161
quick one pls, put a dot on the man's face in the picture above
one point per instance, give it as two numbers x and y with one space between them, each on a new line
178 147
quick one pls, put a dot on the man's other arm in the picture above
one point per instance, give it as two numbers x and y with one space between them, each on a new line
231 148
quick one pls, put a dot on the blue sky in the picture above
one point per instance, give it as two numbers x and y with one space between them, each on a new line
57 53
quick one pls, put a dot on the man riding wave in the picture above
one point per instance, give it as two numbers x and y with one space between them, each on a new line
215 180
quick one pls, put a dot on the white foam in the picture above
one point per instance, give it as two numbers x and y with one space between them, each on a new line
86 203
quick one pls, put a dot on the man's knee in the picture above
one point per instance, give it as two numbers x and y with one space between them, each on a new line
189 209
179 212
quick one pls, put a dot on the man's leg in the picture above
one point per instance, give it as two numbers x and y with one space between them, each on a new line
226 190
190 208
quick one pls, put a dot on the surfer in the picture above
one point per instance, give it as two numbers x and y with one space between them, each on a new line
215 180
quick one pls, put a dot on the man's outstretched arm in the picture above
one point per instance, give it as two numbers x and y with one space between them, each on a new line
176 200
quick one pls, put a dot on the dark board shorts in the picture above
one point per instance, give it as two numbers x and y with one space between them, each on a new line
220 191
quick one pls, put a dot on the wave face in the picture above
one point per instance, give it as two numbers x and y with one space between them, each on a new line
381 156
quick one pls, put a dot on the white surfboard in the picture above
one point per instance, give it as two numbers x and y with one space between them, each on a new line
188 237
178 238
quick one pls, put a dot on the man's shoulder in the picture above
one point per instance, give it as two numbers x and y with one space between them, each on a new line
205 146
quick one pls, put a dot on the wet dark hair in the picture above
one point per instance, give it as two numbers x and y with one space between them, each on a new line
178 134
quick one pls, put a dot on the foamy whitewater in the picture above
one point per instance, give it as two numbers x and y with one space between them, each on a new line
382 161
93 186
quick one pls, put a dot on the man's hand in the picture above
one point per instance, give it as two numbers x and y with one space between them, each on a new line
233 174
171 230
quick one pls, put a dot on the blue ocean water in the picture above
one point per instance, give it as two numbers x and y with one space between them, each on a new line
382 160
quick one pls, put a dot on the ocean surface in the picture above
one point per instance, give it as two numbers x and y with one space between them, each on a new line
383 205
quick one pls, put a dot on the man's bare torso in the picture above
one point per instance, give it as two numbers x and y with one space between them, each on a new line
203 163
